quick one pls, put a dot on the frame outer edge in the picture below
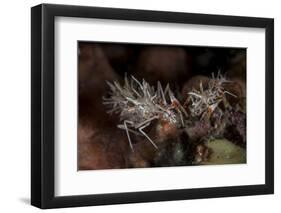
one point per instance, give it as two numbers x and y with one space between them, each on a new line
270 106
47 108
42 106
36 118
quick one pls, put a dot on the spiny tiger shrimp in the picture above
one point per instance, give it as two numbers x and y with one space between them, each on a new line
139 104
204 102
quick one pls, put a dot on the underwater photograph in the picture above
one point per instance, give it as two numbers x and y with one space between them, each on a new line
160 105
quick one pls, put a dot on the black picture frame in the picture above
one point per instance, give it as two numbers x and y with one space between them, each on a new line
43 117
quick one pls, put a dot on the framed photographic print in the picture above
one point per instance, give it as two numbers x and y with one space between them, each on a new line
139 106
